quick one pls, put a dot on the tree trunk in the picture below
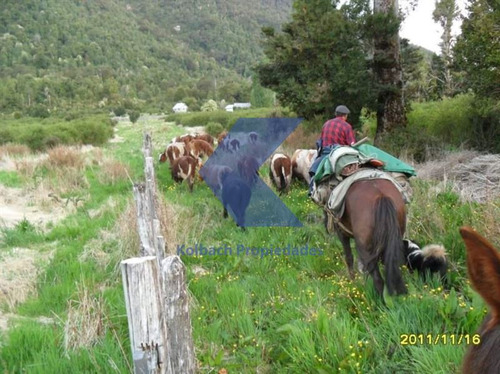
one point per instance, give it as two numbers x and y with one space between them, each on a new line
387 69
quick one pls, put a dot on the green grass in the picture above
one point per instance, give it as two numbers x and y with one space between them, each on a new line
269 314
10 179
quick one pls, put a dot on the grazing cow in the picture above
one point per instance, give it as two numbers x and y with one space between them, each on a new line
302 160
236 195
428 260
223 140
252 137
206 137
221 136
174 151
280 171
248 168
483 265
184 168
199 148
213 174
186 138
234 144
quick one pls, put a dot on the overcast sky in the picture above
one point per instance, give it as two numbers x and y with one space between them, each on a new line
420 28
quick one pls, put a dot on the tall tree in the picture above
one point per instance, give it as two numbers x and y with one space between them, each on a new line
477 53
387 67
477 50
445 13
318 61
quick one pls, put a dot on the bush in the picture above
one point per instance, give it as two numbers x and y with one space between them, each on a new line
413 143
214 128
463 119
448 119
120 111
39 135
134 116
38 111
484 133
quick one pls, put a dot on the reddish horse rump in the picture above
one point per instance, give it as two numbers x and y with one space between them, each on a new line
375 216
483 267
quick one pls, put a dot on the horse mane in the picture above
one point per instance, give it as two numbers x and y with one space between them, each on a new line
483 267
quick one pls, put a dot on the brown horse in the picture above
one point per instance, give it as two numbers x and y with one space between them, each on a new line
375 216
483 265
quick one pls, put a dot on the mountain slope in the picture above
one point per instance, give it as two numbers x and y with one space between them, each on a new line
62 52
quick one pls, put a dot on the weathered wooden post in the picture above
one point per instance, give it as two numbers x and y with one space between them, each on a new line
156 292
177 315
145 312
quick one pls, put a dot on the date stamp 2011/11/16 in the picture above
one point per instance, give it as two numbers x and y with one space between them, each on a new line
435 339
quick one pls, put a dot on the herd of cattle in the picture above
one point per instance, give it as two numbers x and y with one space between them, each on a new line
186 155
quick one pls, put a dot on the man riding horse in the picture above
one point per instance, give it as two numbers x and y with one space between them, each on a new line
335 131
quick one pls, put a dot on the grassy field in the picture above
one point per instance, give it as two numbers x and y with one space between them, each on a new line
250 314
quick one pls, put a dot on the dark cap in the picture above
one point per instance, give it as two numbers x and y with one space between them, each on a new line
342 109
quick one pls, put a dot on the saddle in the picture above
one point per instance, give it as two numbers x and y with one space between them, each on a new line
342 162
342 167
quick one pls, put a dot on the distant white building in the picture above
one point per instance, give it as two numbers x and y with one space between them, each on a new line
241 106
180 108
229 108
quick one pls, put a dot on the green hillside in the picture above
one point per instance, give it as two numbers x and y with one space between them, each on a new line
65 53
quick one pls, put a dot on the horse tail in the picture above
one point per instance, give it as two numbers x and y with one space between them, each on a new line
387 237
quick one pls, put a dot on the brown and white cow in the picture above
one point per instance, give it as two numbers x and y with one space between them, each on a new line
186 138
184 168
302 160
206 137
174 151
280 171
253 137
199 148
221 136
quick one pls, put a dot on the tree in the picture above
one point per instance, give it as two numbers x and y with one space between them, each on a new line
319 61
477 51
445 13
477 54
414 71
387 68
261 97
209 106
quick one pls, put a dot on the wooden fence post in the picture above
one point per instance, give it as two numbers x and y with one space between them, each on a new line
155 291
177 315
145 311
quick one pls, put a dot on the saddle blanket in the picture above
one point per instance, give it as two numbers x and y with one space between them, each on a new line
337 197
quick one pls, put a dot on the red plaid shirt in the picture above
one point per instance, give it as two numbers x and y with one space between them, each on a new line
337 131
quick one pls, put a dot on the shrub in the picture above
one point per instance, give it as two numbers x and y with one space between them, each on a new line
120 111
484 133
448 119
38 111
42 134
93 131
214 128
134 116
209 106
412 143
